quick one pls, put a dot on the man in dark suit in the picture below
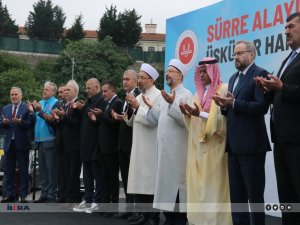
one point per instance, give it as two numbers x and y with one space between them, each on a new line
125 134
108 136
68 142
17 121
89 154
283 91
247 139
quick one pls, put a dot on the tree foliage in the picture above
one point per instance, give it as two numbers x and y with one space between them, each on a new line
75 33
46 22
22 78
7 24
102 60
124 28
46 70
8 61
131 28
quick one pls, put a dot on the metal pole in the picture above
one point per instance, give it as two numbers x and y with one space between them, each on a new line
34 174
73 63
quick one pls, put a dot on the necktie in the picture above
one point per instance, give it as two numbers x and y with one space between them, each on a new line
14 112
107 105
291 58
241 76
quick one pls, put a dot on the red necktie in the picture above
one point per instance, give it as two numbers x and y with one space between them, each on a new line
14 112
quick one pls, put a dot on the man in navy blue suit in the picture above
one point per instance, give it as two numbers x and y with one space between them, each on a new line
247 139
16 120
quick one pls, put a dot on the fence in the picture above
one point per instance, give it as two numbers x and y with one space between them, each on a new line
54 47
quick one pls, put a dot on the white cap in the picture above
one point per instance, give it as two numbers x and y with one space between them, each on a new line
150 70
179 65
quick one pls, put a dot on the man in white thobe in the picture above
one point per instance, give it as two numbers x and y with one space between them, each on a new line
143 159
172 142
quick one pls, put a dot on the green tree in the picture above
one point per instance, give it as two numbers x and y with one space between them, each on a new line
7 24
8 61
46 70
124 28
109 25
22 78
46 22
131 28
102 60
75 33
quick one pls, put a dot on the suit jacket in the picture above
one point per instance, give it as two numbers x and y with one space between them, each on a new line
21 132
68 133
108 134
285 121
89 129
246 128
125 131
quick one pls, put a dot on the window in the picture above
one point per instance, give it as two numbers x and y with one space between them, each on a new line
151 49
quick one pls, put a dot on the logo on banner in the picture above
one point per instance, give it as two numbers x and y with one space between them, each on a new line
187 48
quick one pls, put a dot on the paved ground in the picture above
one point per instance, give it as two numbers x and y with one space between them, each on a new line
62 214
75 219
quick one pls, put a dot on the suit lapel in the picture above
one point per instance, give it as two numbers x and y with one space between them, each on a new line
111 104
20 110
9 112
231 84
290 65
282 65
245 81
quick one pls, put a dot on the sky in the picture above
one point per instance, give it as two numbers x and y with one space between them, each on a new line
156 11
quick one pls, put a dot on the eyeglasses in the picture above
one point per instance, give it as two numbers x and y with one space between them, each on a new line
144 78
239 53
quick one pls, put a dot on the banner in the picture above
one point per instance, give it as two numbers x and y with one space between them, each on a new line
213 31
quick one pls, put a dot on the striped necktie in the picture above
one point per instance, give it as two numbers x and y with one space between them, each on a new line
241 76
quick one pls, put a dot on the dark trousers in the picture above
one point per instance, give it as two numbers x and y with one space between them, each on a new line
110 177
247 183
124 160
145 203
176 217
69 168
287 167
12 157
91 174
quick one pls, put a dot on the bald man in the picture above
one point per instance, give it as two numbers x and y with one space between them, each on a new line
88 147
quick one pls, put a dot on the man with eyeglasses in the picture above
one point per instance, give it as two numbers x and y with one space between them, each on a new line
247 141
143 159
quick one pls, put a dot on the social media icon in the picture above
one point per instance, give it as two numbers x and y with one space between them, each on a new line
275 207
268 207
282 207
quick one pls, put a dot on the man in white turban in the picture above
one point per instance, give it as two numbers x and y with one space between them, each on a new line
172 142
143 159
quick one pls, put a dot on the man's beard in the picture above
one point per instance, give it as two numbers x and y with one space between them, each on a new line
169 81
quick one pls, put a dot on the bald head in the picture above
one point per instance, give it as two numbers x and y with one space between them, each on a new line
92 87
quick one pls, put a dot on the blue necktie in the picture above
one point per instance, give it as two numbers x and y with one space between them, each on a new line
291 58
241 76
